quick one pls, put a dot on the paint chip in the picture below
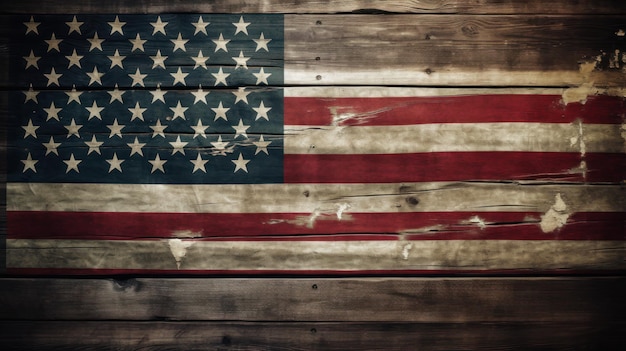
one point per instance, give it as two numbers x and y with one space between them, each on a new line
178 248
406 249
556 216
478 221
620 33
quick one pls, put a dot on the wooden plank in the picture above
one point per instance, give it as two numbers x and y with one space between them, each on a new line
322 6
327 254
427 50
450 50
424 300
122 335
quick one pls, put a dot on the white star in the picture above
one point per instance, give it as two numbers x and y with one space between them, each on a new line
220 77
158 129
159 61
178 146
200 60
29 163
74 26
241 60
159 26
137 43
200 26
220 112
241 26
94 145
241 129
53 112
200 95
74 60
94 111
94 77
261 43
73 129
198 164
73 95
53 43
53 77
261 111
72 164
116 95
51 147
31 60
115 128
241 94
157 164
220 147
96 43
179 111
179 43
137 112
31 94
31 26
240 164
158 94
261 145
116 26
198 128
137 78
179 77
116 59
115 163
30 129
136 147
261 77
220 43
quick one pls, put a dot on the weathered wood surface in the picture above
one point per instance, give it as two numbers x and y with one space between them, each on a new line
437 50
157 335
423 300
324 6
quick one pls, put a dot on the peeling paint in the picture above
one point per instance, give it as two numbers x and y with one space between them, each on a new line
478 221
338 213
623 134
406 250
580 93
581 169
178 248
556 216
579 139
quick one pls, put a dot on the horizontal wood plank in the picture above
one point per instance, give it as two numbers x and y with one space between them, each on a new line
321 6
122 335
424 50
424 300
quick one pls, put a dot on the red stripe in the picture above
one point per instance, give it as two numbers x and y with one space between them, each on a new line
453 166
267 226
452 109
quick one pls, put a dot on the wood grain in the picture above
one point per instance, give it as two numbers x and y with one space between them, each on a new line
424 300
123 335
322 6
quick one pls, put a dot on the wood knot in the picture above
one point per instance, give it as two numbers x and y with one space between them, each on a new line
469 30
412 200
428 71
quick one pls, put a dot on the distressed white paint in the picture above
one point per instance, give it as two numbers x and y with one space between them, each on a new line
556 216
322 255
289 198
178 248
452 137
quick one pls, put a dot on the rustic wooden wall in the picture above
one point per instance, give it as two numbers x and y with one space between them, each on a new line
557 46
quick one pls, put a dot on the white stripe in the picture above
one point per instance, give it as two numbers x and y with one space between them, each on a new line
450 137
310 198
317 255
379 91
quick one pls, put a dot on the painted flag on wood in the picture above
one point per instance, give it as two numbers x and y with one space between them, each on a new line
170 143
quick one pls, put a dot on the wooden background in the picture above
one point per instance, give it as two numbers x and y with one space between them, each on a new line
497 44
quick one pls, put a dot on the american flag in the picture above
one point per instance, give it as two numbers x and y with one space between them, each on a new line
154 143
